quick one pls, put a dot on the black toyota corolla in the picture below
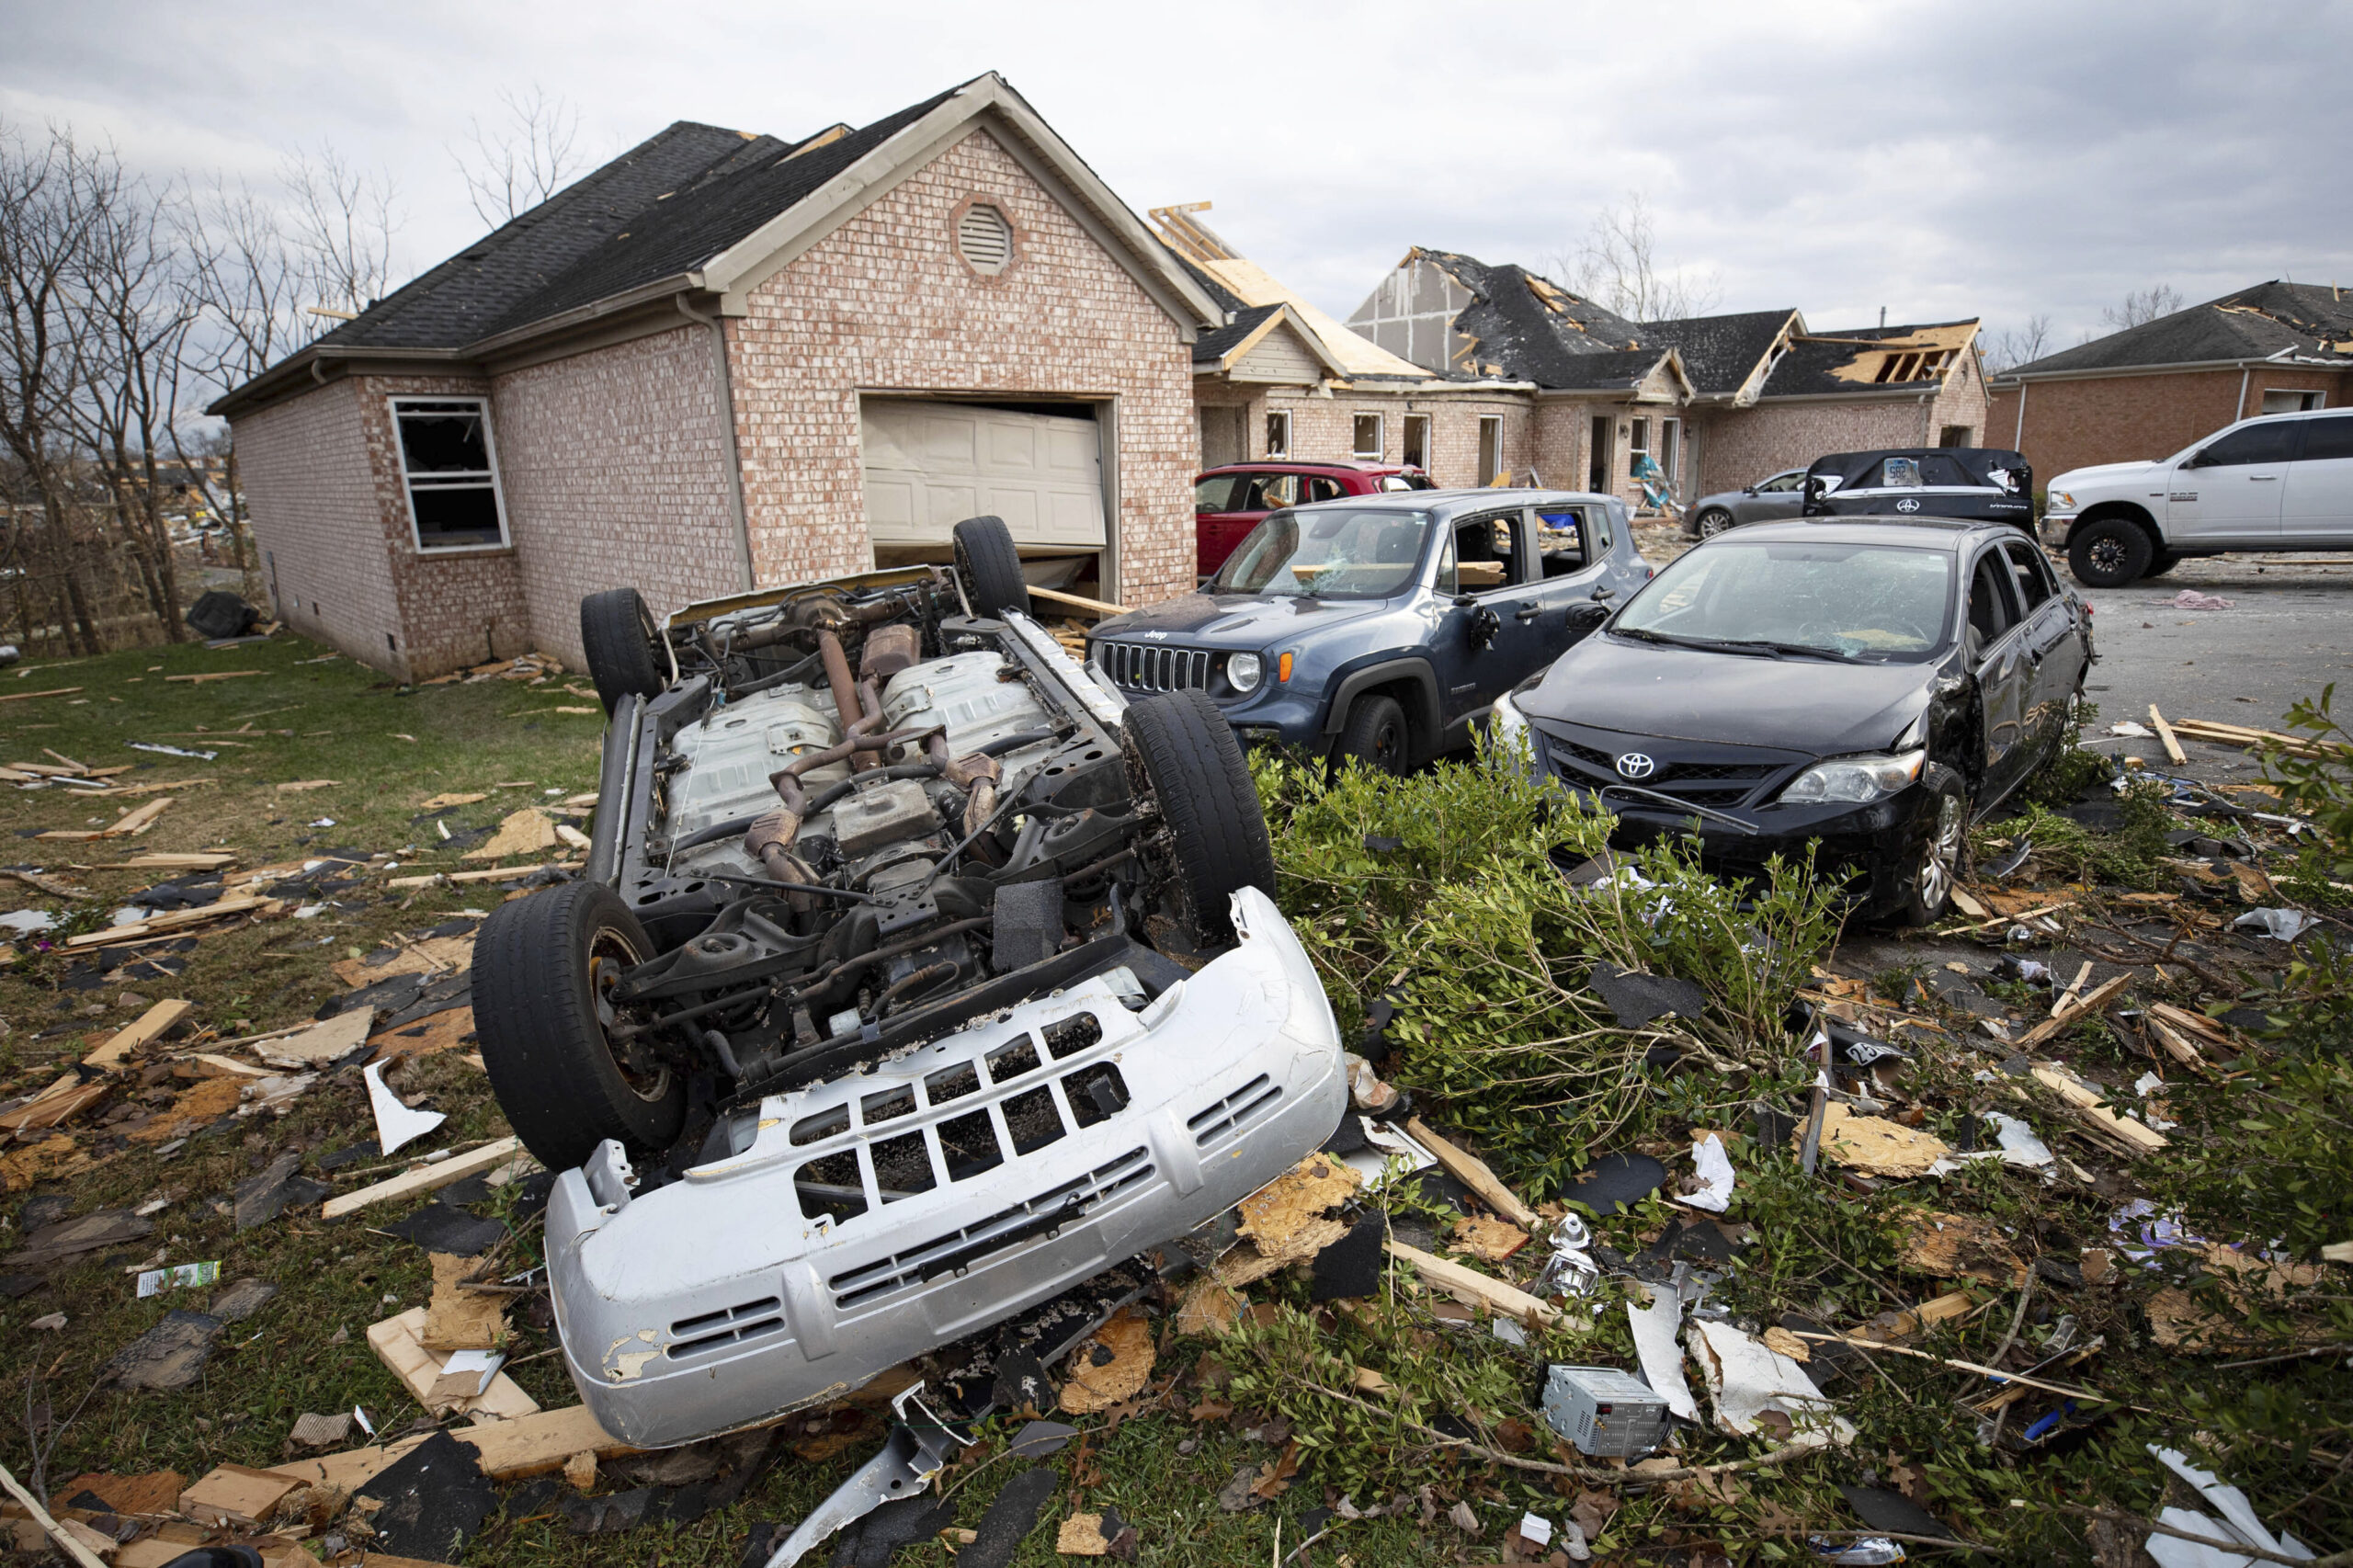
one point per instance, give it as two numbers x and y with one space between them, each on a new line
1871 684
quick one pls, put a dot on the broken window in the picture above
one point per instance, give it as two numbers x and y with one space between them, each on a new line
2291 402
1491 448
1955 435
2033 572
449 468
1417 453
1668 432
1215 494
1279 433
1367 432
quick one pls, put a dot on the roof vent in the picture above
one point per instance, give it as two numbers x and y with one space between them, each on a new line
984 239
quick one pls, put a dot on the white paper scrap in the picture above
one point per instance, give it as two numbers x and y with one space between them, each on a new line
1715 1175
1661 1359
1747 1377
2238 1523
395 1123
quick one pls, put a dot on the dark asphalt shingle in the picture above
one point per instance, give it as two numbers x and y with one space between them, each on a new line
2304 319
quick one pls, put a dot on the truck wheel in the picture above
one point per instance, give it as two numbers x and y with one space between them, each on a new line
1182 752
1929 892
1376 735
617 633
2110 553
1711 522
991 565
544 968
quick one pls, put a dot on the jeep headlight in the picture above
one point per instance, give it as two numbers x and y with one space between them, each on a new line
1855 780
1244 671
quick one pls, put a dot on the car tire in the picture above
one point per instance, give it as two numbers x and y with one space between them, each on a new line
1927 891
1377 736
541 966
2160 564
1182 752
2109 552
1711 522
617 633
990 566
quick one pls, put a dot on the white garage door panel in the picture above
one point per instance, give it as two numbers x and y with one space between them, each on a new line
930 465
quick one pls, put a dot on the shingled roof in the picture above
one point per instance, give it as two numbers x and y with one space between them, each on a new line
690 198
1854 361
1526 328
2286 322
1720 353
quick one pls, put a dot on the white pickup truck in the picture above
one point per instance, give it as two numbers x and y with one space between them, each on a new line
2281 482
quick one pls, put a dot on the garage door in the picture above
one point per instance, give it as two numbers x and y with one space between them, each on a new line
930 465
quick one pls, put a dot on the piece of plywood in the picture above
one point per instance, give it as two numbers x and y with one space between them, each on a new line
152 1025
237 1494
424 1178
1472 1173
535 1443
321 1043
1962 1247
1093 1387
527 832
355 1468
2088 1105
1470 1286
1875 1144
459 1319
395 1340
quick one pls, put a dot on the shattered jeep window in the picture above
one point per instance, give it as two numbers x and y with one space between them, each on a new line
1865 602
830 1188
1332 554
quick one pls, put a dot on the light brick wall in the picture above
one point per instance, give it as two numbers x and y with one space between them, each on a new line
318 523
616 466
1741 445
1323 429
884 302
2107 419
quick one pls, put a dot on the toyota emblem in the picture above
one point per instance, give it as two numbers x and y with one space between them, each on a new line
1634 764
1907 505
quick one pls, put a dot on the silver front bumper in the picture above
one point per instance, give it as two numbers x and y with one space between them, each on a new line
714 1302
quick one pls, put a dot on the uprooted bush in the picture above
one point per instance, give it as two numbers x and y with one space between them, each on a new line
1445 893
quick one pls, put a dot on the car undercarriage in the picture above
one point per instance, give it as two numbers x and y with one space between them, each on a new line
914 978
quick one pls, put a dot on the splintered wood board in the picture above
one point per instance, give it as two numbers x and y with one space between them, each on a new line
395 1340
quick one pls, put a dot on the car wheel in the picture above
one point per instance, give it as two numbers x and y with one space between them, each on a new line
991 565
544 968
2110 553
1182 752
617 633
1932 876
1376 735
2160 564
1711 522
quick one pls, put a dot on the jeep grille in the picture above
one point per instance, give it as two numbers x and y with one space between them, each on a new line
1137 666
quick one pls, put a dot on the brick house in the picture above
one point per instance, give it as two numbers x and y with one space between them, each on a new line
725 361
1717 402
2153 389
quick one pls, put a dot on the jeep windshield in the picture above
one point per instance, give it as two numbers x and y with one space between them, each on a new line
1327 552
1867 603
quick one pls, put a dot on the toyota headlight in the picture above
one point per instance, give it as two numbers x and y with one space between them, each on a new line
1855 780
1244 671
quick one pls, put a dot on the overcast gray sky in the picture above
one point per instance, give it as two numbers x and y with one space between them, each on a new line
1942 160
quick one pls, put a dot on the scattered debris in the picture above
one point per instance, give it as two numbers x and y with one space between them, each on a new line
1604 1411
396 1123
1111 1367
2238 1523
1714 1174
1756 1389
1962 1247
155 1281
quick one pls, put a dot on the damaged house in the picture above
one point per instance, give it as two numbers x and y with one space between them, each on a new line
1716 400
724 359
2152 390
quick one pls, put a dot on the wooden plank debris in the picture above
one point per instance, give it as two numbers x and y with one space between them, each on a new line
1474 1289
136 821
491 874
1472 1173
171 921
2173 754
214 675
73 1544
28 695
164 862
395 1340
2071 1010
1078 601
2091 1109
423 1178
149 1027
237 1494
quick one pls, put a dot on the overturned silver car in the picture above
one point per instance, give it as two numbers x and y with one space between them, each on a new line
915 977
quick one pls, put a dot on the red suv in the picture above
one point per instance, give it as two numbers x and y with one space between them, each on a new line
1229 501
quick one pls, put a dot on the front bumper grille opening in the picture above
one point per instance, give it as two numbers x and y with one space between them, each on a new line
1135 666
903 1167
709 1332
1097 1093
957 1250
1068 1037
830 1188
1033 1119
1010 1060
969 1145
951 1084
1229 1116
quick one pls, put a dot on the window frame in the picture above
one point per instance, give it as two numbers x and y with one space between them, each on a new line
395 404
1491 471
1406 441
1356 435
1638 439
1278 418
2308 401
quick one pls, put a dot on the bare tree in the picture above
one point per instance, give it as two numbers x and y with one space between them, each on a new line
44 228
2015 345
1617 265
515 166
243 280
344 221
2141 305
